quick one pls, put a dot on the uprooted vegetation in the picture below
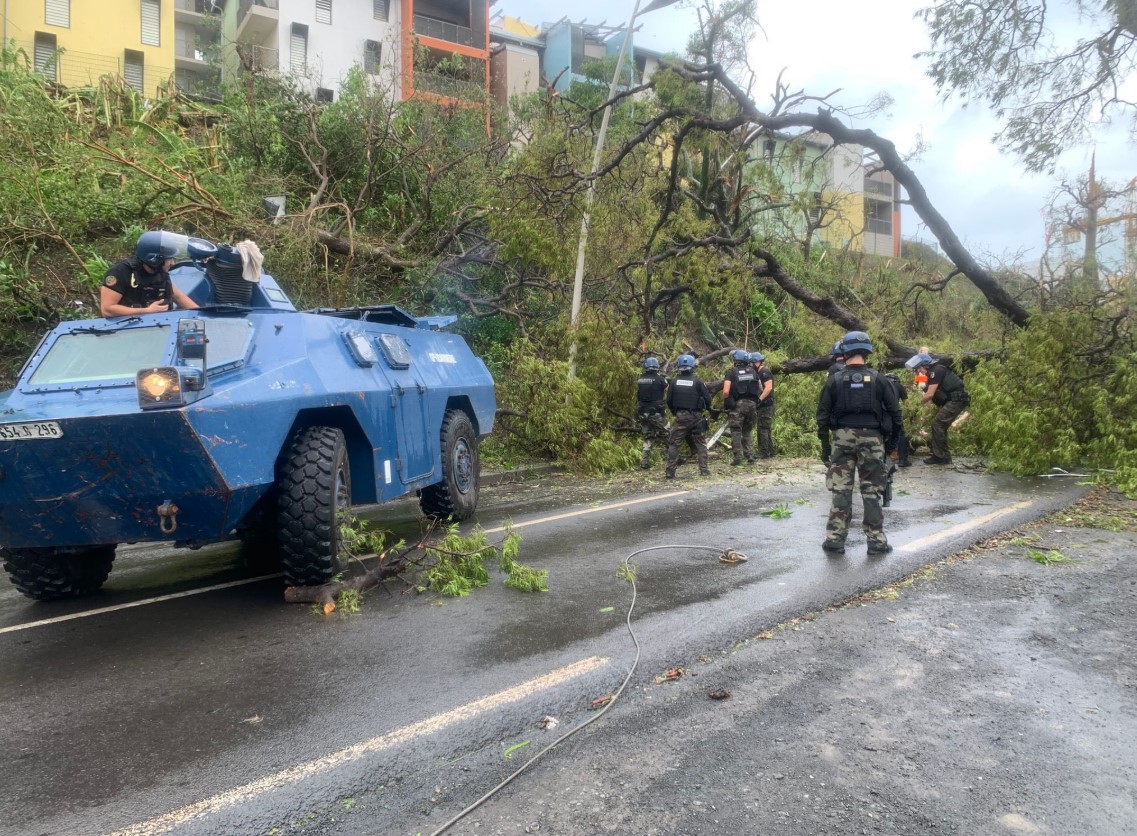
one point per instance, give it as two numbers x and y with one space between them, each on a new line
413 203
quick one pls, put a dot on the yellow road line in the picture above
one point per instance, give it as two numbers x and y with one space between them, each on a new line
948 533
596 510
303 771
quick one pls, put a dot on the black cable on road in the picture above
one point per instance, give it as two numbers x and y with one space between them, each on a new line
725 556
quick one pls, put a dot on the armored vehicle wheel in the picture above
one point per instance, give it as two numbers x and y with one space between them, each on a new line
314 483
48 574
457 494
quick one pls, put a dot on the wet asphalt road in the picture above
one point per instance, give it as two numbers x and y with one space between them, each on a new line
127 719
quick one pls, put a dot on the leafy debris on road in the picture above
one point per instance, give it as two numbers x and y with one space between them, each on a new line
719 694
600 702
670 674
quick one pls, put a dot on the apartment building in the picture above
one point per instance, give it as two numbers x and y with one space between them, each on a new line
76 42
433 48
522 54
834 194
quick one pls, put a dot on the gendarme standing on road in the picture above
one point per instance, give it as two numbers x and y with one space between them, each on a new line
859 407
651 387
687 398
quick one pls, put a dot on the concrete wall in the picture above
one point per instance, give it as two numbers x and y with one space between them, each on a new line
514 70
335 48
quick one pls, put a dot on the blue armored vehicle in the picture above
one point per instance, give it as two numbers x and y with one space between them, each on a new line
242 419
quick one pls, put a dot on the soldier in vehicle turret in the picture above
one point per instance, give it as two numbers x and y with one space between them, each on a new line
142 284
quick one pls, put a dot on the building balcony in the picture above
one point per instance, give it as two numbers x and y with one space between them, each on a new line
442 30
448 86
196 12
257 20
259 59
189 58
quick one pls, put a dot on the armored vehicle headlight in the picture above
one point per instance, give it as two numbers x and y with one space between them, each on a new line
159 387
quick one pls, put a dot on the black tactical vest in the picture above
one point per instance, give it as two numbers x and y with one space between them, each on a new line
685 393
951 389
650 388
856 401
745 384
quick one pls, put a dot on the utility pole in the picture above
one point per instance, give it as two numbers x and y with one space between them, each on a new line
590 197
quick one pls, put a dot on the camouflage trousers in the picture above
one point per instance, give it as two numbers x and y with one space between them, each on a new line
765 421
688 427
741 421
653 428
940 426
856 452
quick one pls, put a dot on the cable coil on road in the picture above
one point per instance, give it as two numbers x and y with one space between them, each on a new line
728 556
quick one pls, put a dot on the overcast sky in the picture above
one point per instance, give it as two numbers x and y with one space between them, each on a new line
994 205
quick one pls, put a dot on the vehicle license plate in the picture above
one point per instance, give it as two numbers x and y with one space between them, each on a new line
30 430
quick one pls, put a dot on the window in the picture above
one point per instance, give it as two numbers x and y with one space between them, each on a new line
323 11
298 49
152 22
107 355
878 187
324 95
577 46
132 69
57 13
815 208
381 9
46 60
878 216
372 51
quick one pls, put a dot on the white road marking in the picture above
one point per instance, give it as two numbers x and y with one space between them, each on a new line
158 599
948 533
101 610
303 771
596 510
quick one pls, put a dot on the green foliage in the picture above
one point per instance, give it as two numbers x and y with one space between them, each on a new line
1052 88
781 511
1048 557
1057 397
459 563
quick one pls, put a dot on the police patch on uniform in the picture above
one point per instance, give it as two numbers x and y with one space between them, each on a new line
110 281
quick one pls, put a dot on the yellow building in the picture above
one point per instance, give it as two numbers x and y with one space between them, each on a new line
76 42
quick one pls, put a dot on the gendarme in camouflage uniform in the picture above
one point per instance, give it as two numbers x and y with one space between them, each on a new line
651 388
687 398
858 406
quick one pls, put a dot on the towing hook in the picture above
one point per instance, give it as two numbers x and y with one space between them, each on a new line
168 517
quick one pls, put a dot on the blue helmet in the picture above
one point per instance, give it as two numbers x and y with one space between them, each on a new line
836 350
651 364
917 360
740 356
855 342
685 363
757 357
154 247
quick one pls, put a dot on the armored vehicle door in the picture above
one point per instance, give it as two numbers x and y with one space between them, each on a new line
417 440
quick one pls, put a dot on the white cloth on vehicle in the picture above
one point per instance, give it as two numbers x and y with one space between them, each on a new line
251 260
